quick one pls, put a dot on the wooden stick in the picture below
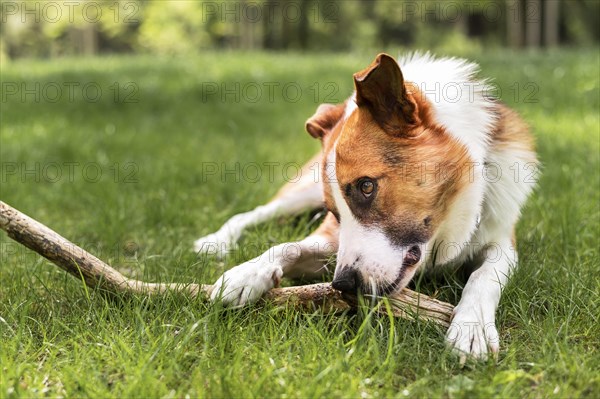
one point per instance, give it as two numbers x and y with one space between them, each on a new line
97 274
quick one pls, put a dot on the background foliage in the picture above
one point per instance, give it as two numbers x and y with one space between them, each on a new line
50 28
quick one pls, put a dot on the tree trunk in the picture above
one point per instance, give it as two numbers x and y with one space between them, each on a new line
533 23
551 22
514 26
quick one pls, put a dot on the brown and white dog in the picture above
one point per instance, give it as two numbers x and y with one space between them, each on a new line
420 169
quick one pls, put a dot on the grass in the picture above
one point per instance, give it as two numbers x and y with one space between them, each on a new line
132 190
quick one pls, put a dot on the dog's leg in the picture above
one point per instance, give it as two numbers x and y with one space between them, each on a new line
473 329
247 282
304 194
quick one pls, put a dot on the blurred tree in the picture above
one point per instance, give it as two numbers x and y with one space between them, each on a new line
38 28
514 27
580 22
551 21
533 23
173 27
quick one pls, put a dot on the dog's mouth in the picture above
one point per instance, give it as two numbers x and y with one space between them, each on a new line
410 262
371 288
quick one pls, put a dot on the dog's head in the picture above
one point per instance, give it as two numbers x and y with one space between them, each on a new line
386 178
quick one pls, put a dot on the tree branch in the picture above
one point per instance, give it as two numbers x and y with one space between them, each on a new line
97 274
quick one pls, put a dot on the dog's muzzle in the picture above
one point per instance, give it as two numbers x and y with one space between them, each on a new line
349 280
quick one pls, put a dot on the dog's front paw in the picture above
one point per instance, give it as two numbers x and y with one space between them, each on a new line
246 283
217 244
473 332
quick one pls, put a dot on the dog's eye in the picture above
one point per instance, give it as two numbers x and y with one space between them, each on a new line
366 186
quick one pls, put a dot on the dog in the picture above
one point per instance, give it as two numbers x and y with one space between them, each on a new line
421 168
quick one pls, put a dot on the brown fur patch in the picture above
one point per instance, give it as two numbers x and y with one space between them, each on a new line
510 131
418 174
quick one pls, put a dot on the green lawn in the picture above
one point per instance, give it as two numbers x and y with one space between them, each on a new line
122 176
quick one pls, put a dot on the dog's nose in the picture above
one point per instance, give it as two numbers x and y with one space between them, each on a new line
412 257
347 281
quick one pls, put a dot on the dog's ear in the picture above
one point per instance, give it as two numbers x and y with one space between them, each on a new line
380 88
324 119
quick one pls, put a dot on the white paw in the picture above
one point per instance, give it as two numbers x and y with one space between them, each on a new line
217 244
473 332
247 282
